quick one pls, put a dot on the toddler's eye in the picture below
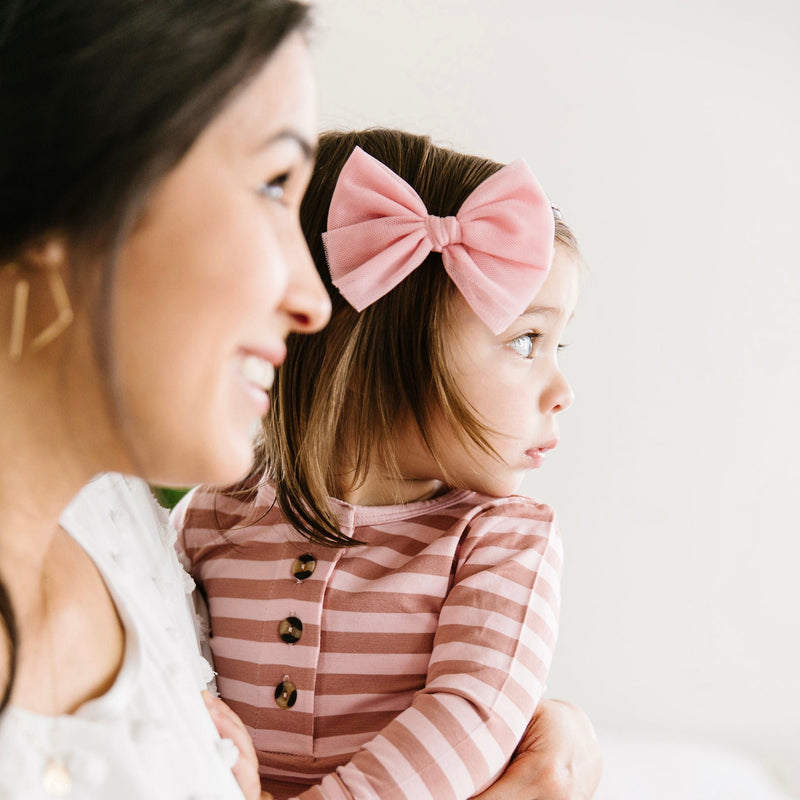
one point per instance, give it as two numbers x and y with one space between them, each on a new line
523 345
274 189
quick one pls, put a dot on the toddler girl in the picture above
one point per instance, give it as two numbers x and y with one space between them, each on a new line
383 607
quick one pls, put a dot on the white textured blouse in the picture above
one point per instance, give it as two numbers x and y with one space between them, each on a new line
150 736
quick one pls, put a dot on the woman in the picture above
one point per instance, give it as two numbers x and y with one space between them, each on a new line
152 160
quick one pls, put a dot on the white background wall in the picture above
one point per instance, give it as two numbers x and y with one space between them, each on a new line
668 131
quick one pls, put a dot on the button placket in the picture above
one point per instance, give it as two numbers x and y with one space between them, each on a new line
290 630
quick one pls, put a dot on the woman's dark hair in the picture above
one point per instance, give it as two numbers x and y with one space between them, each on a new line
98 100
10 625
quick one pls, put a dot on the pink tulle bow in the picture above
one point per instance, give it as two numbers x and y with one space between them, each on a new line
497 249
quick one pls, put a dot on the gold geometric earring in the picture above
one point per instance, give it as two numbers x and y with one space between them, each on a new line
20 312
64 308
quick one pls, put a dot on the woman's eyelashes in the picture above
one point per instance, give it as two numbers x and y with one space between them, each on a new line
275 189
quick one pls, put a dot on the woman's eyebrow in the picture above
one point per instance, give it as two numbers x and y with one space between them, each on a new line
308 148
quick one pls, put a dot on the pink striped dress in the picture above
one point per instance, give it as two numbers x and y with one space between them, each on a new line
403 669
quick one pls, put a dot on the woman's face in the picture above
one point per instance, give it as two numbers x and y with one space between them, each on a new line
212 280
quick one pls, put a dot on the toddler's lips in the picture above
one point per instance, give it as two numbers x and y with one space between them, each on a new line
537 454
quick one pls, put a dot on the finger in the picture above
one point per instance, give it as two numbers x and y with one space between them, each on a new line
508 787
228 729
219 708
231 728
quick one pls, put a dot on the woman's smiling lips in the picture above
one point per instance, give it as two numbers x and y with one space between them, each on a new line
257 373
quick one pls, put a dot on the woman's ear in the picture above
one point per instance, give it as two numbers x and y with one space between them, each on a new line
46 254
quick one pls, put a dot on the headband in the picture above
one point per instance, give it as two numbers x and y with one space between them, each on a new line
497 249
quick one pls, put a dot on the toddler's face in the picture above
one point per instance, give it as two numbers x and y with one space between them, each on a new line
513 383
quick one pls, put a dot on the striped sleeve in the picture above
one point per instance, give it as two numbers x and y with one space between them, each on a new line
491 654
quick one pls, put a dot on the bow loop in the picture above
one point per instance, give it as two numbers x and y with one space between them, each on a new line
497 249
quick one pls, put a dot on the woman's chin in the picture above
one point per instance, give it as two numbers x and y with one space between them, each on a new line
222 467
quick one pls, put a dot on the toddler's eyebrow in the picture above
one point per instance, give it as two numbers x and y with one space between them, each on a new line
550 311
533 309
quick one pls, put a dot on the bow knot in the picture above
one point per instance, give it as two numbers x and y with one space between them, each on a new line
497 249
443 231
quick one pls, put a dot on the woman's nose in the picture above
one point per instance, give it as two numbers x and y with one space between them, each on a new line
306 302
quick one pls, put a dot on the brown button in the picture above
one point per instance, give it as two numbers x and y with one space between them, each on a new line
285 694
304 566
290 630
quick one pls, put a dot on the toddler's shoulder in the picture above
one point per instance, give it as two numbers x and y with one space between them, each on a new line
515 529
514 523
519 507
